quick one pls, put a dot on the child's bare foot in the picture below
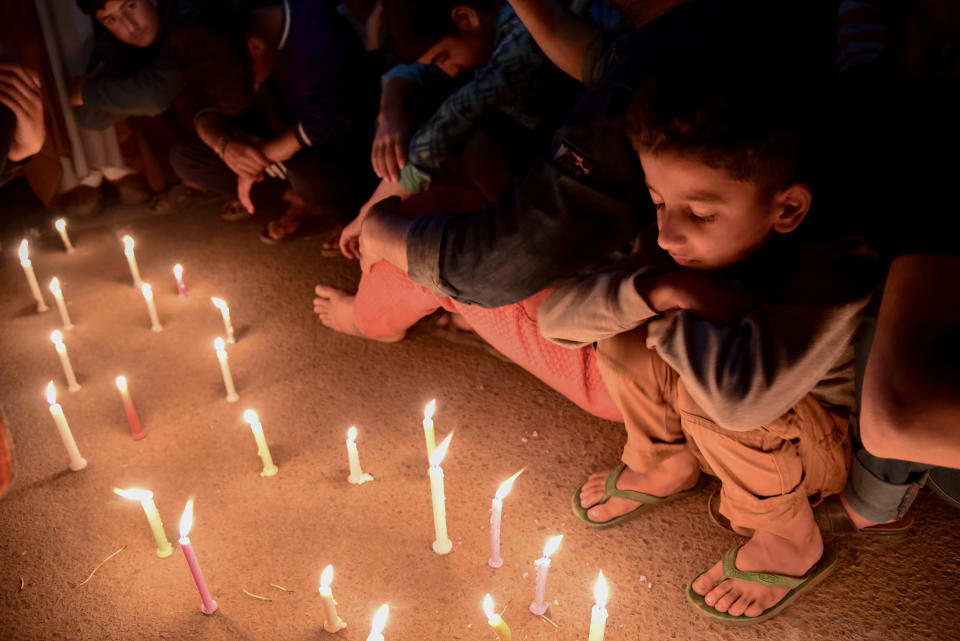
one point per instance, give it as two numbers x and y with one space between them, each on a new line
765 552
676 474
335 309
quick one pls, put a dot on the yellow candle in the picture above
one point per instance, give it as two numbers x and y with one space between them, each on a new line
269 469
57 337
61 226
225 313
151 308
428 426
357 475
331 620
379 623
442 543
219 345
77 462
31 276
499 626
132 260
164 549
61 305
598 617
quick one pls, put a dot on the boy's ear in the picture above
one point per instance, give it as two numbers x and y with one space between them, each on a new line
465 17
256 46
793 203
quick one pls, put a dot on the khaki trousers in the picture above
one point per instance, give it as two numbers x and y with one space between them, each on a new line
766 473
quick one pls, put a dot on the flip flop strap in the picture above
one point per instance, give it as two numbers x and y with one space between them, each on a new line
763 578
610 489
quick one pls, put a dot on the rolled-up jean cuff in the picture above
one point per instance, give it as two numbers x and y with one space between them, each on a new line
877 500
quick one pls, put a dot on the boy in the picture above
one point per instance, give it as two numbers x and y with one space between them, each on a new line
729 350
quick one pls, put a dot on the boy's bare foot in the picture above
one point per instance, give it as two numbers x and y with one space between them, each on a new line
676 474
765 552
335 309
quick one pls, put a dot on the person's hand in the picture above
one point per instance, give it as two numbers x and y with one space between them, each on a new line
245 159
244 185
709 297
389 152
382 235
350 236
76 85
20 92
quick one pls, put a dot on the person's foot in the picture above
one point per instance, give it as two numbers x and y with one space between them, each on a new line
330 246
335 309
172 199
133 189
858 521
677 474
234 211
454 321
764 552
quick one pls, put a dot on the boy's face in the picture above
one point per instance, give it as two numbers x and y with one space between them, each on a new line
468 48
709 220
134 22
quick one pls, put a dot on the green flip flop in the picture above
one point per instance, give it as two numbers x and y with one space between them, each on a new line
611 490
796 585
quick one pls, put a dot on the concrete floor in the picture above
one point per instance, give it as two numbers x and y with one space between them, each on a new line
309 385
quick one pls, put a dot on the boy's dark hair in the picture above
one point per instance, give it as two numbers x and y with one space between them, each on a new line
90 7
413 26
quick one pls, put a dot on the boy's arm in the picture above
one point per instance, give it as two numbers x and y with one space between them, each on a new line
388 155
563 37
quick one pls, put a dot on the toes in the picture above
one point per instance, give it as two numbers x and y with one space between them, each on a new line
707 582
723 603
714 595
754 609
740 605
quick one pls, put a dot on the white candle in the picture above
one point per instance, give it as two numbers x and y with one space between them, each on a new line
61 226
331 620
540 605
132 261
151 308
269 469
496 515
178 275
77 462
379 623
221 348
357 475
428 426
442 543
61 305
57 337
225 312
164 549
598 616
31 276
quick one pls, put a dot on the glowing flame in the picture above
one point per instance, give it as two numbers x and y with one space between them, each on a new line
24 252
55 286
601 592
326 577
147 290
380 620
352 434
220 303
429 410
218 344
552 546
57 337
122 383
61 224
128 244
438 454
51 393
186 521
507 485
136 495
178 271
488 608
250 416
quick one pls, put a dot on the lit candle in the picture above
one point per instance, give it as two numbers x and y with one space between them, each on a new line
164 549
31 276
57 337
495 517
269 469
428 426
331 620
178 274
221 348
151 308
77 462
598 617
135 427
442 543
357 475
132 261
540 605
225 312
379 623
186 522
61 226
62 306
496 622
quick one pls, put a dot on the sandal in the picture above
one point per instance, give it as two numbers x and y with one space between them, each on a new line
611 490
283 229
234 211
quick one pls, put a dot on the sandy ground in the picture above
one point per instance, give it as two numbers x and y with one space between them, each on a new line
309 385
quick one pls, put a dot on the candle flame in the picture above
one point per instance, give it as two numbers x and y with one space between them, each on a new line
178 271
136 495
220 303
55 286
552 546
51 393
429 410
146 290
186 521
438 454
326 577
218 344
250 416
352 434
57 337
24 252
61 224
600 591
507 485
488 607
380 620
122 383
128 243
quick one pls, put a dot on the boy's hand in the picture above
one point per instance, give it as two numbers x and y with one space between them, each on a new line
383 236
245 159
708 297
244 185
20 92
389 154
76 85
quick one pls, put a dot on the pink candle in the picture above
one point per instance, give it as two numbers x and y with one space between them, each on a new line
178 274
186 522
540 605
135 427
496 515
